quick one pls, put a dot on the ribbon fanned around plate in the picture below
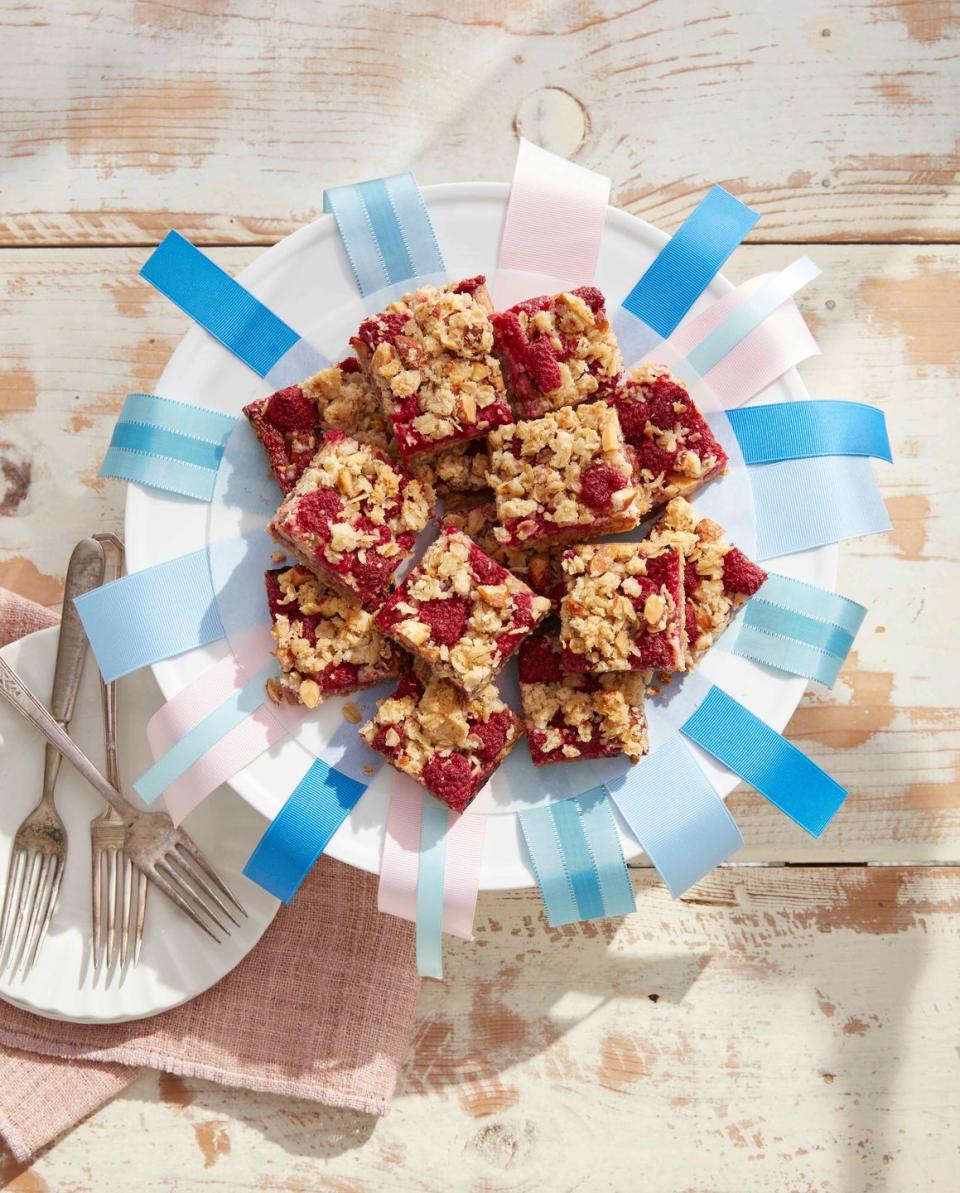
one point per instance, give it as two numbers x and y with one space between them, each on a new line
167 445
575 853
797 627
802 430
386 231
766 760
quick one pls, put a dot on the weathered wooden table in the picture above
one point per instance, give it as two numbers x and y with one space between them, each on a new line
791 1024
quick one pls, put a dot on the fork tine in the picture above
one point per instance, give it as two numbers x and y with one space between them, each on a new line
127 897
25 911
38 910
188 891
172 893
142 887
96 879
194 874
111 908
59 865
184 842
11 901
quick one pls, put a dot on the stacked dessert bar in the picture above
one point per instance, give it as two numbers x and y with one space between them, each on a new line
524 423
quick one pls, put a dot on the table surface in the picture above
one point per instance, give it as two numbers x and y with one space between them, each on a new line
789 1024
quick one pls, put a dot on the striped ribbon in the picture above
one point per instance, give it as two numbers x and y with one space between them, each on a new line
766 760
797 627
576 857
434 818
167 445
386 231
801 430
230 313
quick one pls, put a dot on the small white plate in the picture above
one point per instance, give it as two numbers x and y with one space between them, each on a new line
306 279
178 962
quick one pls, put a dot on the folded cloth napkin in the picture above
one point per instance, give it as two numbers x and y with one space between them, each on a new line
322 1008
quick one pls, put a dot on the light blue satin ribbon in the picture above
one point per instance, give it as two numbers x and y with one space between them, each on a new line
797 627
802 504
575 853
770 295
688 262
302 830
386 231
151 615
802 430
766 760
230 313
203 736
167 445
676 814
434 819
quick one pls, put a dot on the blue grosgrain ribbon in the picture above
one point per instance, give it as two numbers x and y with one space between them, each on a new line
766 760
797 627
434 819
302 830
802 430
229 312
681 271
151 615
576 857
386 231
167 445
676 814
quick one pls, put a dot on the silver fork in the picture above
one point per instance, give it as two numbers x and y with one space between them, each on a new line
39 853
164 853
112 872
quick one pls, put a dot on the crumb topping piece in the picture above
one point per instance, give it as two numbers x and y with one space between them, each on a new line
718 577
430 354
291 422
676 452
459 468
571 717
353 516
558 350
622 608
446 740
564 477
325 642
461 611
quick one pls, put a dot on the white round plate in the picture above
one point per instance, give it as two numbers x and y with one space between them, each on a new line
306 277
178 961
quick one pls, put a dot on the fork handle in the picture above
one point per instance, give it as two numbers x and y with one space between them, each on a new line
17 694
84 572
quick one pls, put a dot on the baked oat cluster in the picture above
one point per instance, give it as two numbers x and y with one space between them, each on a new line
525 425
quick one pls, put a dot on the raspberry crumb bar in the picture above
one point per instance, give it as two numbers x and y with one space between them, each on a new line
571 717
538 569
430 356
326 643
622 609
353 517
291 422
557 350
449 742
676 450
718 577
460 468
563 478
461 612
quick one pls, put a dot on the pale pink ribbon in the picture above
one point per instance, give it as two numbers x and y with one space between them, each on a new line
777 345
400 863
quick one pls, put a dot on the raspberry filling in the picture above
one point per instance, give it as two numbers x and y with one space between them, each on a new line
486 570
493 734
315 511
740 574
382 328
541 362
291 410
339 679
447 619
598 485
451 778
538 662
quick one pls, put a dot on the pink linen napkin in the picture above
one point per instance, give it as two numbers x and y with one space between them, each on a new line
322 1009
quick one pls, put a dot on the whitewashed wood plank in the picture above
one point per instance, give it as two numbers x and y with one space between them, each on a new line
78 330
838 121
777 1030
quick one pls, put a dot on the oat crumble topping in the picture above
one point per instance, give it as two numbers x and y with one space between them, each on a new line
566 476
